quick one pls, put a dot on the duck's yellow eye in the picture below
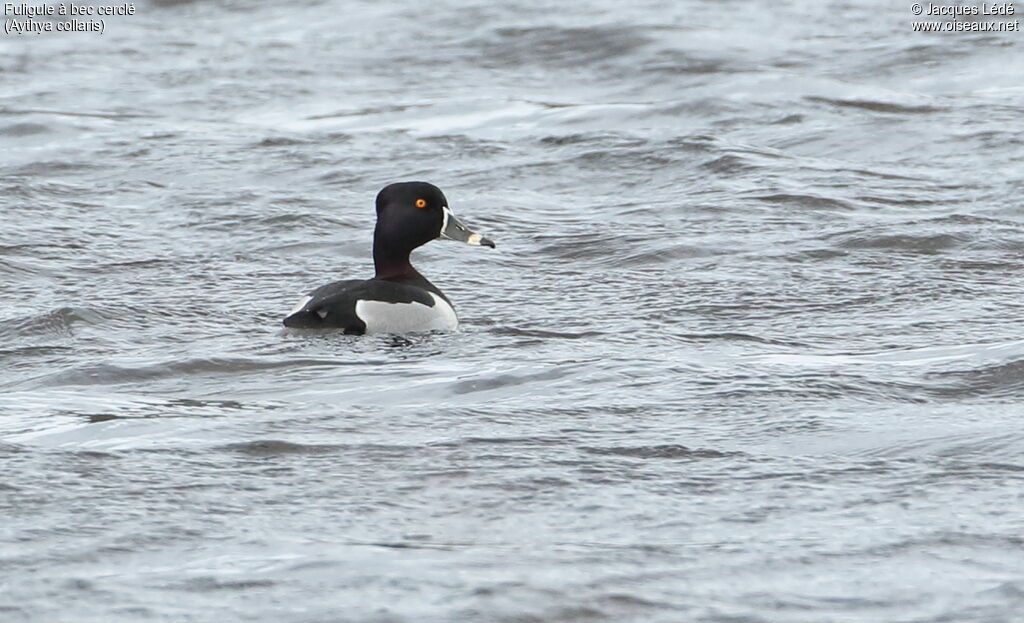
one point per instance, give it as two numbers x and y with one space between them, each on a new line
421 203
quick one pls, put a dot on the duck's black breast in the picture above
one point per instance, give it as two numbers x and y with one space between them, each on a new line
333 306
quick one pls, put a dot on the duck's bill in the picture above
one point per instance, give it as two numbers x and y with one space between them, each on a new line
453 229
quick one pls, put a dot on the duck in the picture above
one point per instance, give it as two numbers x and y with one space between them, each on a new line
398 299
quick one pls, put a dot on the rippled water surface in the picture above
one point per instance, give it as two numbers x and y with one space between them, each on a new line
749 347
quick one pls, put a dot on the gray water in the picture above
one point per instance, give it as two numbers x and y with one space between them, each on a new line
749 347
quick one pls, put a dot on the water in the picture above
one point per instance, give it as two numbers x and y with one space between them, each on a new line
748 349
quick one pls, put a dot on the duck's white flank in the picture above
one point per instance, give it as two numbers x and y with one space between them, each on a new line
381 317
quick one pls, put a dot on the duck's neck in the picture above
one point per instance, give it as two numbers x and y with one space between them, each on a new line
391 265
391 261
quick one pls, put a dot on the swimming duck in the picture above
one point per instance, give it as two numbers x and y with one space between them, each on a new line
398 299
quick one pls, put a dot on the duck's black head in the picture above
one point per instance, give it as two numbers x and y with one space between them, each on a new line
411 214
